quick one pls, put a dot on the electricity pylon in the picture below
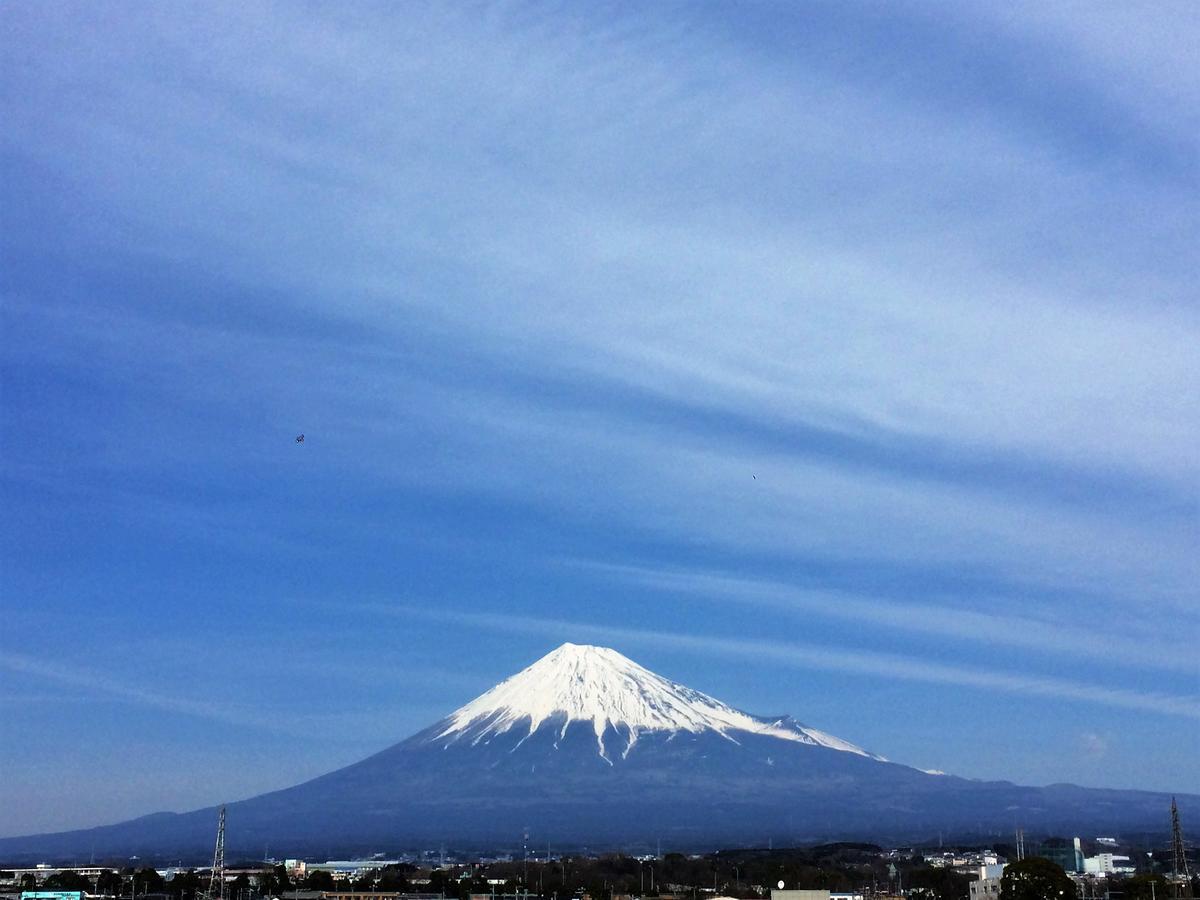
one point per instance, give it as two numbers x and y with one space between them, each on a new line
1179 867
216 881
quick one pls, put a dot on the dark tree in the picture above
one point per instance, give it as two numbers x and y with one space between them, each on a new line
442 881
1036 879
149 881
109 882
239 888
319 881
273 882
184 885
937 884
1145 887
365 881
395 878
67 881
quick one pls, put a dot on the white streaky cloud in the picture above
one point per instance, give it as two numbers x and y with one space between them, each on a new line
95 682
1135 56
301 725
805 656
799 502
1053 632
971 341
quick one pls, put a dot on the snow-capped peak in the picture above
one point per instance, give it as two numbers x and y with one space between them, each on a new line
581 683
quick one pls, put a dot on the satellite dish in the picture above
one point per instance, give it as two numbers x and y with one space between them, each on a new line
781 885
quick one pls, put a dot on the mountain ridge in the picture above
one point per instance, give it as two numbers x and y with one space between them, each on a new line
588 748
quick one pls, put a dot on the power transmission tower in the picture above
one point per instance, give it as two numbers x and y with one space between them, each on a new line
1179 867
216 881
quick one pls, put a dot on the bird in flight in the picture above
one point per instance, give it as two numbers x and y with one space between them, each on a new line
299 439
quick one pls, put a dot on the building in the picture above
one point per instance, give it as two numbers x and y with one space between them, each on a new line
42 871
799 895
986 885
964 861
1104 864
339 869
1068 854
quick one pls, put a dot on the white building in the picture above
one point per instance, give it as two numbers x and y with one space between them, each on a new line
1108 864
987 885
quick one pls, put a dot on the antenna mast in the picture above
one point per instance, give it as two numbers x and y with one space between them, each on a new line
216 881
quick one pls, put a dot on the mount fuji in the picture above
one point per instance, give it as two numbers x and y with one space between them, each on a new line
586 747
618 698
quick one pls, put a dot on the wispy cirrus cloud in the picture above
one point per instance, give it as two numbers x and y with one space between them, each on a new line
1048 634
559 281
95 682
303 722
813 657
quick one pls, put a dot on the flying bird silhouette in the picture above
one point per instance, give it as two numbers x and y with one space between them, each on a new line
299 439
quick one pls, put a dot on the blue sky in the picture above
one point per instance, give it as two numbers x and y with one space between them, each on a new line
834 359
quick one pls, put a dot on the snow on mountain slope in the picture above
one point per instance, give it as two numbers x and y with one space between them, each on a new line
580 683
